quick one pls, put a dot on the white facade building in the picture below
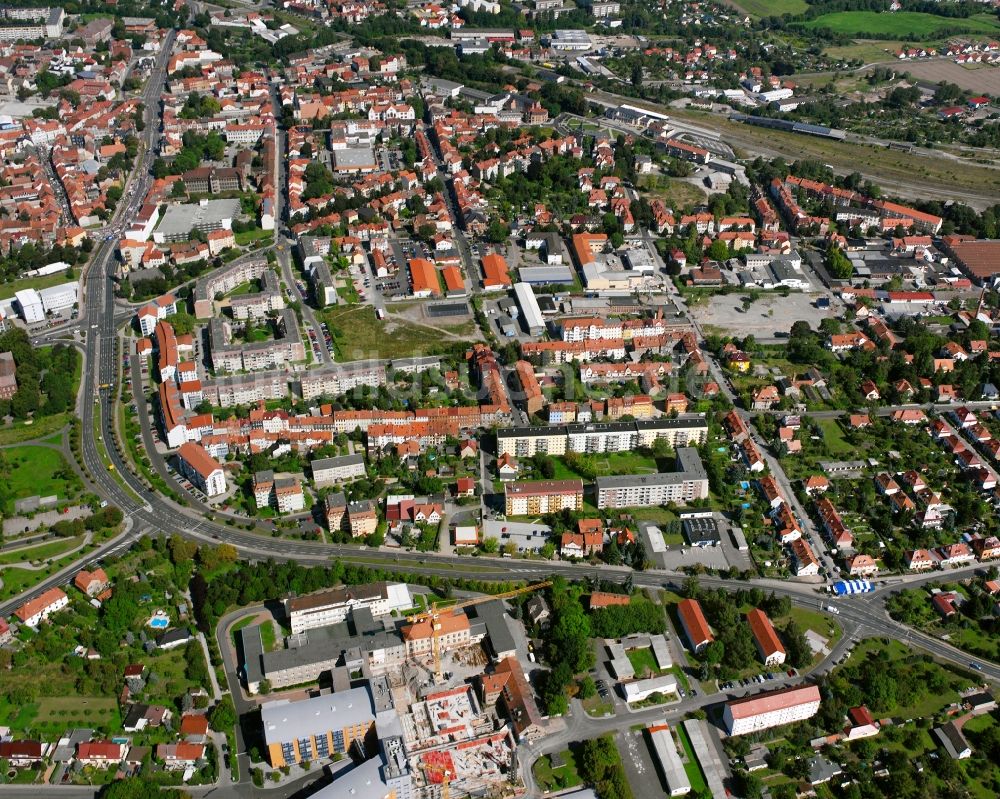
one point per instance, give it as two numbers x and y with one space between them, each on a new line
332 607
771 709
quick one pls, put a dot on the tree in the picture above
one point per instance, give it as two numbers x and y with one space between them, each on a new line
223 716
497 232
490 546
586 687
718 251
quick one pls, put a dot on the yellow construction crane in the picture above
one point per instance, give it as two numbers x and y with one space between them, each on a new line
434 613
437 768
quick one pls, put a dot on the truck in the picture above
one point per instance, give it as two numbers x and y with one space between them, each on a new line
850 587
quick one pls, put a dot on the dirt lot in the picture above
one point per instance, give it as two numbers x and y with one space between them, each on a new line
981 78
769 315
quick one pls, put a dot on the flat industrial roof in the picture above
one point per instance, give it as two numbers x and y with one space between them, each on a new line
183 218
290 721
354 157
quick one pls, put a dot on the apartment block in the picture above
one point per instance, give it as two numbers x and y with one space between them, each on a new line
524 442
542 496
689 483
771 709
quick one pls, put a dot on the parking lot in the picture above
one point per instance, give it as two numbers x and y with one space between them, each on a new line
769 315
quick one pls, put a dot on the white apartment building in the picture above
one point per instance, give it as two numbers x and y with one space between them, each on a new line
643 490
333 607
330 471
771 709
524 442
36 610
201 469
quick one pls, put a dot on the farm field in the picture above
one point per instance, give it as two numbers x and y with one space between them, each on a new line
771 8
981 78
901 23
868 50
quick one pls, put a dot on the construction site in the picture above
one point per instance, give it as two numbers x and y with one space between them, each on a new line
447 715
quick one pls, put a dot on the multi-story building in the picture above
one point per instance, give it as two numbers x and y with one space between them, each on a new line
316 728
47 24
8 375
340 379
335 509
330 471
542 496
689 483
212 180
151 313
201 469
230 356
259 304
283 493
225 392
771 709
332 607
524 442
41 607
695 625
768 644
224 281
452 631
362 518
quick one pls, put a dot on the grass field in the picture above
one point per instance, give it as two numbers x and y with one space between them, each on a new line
642 661
691 767
38 470
51 549
675 193
834 437
39 428
550 779
868 50
904 173
44 282
358 334
872 24
770 8
250 236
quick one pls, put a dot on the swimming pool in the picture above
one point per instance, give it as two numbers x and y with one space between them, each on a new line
159 620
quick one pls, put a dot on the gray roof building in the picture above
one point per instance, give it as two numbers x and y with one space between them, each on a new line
290 721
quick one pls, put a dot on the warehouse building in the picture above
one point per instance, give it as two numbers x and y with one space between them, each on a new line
671 766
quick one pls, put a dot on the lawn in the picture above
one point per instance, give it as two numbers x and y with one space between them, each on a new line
267 636
597 707
642 661
674 192
56 713
771 8
358 334
44 282
250 236
50 549
32 429
874 24
695 777
38 471
833 435
550 779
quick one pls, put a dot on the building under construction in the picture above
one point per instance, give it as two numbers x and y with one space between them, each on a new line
445 718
